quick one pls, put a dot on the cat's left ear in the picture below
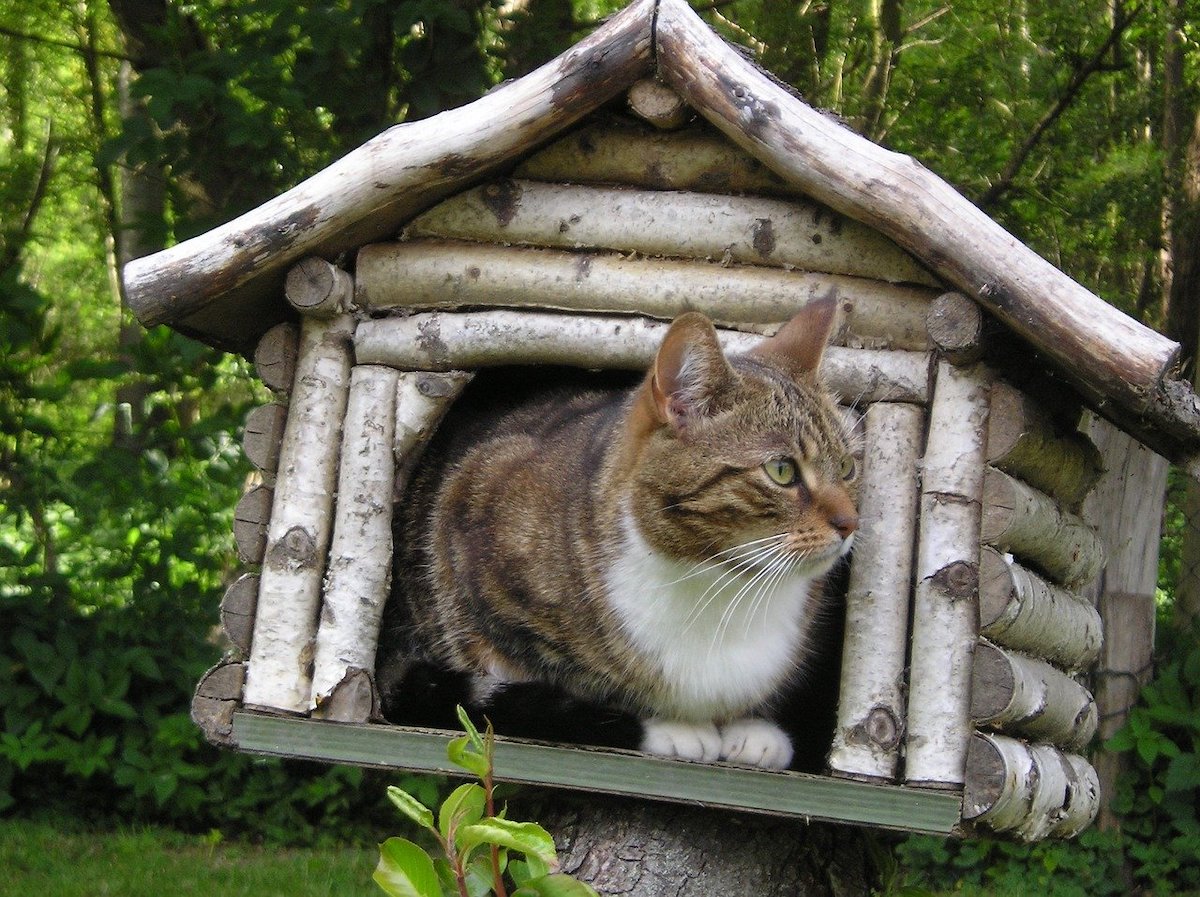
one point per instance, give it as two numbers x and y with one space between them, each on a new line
798 345
690 371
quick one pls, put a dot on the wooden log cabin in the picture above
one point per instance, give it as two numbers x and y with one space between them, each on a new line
563 219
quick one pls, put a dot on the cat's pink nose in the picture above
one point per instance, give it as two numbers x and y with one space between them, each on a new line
845 524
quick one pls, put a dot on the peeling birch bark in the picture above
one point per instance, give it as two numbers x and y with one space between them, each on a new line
1025 696
314 286
655 103
1023 440
250 520
275 357
438 341
693 159
1032 791
360 554
1019 609
870 725
1019 519
945 608
435 274
754 230
279 674
237 611
262 436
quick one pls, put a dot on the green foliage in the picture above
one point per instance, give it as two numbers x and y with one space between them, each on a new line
475 843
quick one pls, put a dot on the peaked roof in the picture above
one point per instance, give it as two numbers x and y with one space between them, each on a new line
225 286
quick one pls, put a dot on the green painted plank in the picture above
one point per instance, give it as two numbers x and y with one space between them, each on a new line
612 772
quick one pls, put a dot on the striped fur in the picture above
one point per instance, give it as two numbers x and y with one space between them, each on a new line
630 547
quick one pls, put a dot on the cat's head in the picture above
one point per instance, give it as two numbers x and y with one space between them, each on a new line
724 451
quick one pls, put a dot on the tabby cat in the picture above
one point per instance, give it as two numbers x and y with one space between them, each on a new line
655 555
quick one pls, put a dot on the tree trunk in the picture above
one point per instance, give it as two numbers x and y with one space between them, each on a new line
644 849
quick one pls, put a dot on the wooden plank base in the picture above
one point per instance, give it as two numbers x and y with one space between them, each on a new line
607 771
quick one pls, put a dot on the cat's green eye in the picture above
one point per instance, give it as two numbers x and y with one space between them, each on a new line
782 471
849 467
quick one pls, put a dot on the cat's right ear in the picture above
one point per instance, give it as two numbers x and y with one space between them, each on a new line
689 372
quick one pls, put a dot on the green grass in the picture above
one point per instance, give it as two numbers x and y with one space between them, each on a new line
39 860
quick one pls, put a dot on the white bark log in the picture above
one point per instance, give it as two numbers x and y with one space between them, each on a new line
654 102
754 230
435 274
281 654
1022 695
422 400
439 341
1019 519
360 553
1025 441
1032 791
871 700
608 153
1021 610
317 287
945 612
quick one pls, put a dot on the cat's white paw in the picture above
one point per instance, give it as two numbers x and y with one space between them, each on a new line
688 741
756 742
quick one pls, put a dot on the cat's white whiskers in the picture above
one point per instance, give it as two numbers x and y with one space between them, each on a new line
714 589
730 612
768 592
711 563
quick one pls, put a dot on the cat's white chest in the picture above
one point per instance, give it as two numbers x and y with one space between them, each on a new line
724 639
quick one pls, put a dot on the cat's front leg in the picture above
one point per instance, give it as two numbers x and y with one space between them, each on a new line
756 742
687 741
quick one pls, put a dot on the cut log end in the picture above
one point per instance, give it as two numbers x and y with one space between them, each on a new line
655 103
956 327
237 611
275 356
217 696
263 434
250 520
355 699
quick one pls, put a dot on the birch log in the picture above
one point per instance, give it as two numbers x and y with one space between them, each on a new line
1019 519
251 518
360 553
217 696
754 230
439 341
1025 696
316 287
237 612
1031 791
1019 609
261 438
1025 441
275 356
1107 354
870 725
693 159
945 608
422 400
655 103
436 274
279 674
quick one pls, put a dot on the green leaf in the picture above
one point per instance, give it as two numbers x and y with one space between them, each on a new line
411 807
461 754
405 870
1183 774
557 884
469 728
464 806
528 838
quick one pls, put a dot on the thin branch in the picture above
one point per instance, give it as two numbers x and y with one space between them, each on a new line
8 31
45 170
1079 77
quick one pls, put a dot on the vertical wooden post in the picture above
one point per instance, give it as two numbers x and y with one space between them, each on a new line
870 724
281 652
1126 509
946 603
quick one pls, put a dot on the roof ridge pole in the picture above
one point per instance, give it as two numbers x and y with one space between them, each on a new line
1119 364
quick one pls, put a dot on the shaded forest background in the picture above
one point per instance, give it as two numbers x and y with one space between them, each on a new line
129 125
